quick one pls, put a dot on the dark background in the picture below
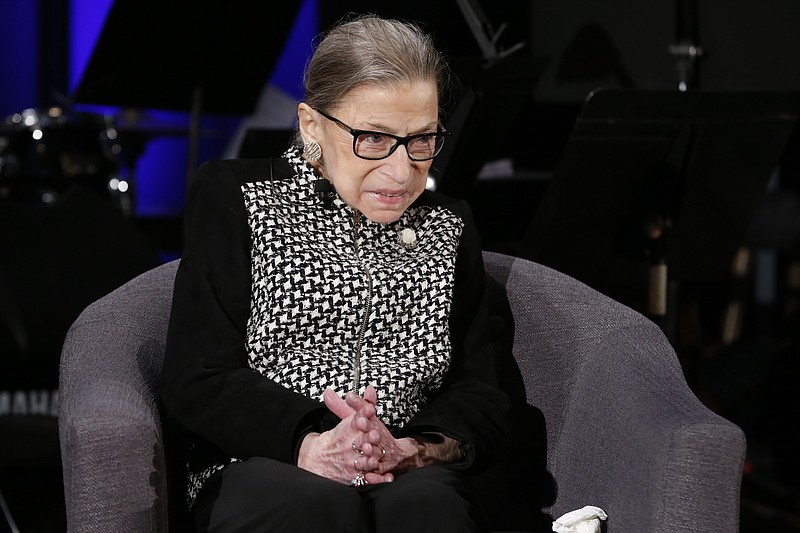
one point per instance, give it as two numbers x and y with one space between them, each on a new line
102 57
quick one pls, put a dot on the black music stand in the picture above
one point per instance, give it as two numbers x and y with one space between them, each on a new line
659 178
212 56
481 122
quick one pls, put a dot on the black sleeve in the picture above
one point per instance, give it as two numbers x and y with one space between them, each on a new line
207 387
470 406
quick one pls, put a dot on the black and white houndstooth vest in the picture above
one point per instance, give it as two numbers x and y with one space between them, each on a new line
341 302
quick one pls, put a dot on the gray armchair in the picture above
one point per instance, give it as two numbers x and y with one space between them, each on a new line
624 432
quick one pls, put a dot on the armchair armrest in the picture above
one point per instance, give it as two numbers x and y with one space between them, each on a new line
635 441
109 425
114 461
624 431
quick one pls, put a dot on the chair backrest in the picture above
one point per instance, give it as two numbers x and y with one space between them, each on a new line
559 323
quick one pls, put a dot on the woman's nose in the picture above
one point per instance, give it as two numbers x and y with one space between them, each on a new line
400 167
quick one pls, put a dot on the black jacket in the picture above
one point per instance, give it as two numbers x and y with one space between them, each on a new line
215 383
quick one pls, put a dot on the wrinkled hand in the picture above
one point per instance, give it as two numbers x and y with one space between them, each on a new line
330 454
385 454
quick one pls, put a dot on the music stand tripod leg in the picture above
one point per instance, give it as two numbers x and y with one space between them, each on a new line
7 514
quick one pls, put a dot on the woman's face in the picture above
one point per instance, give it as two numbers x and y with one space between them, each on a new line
382 189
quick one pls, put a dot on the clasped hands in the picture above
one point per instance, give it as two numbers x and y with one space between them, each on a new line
360 445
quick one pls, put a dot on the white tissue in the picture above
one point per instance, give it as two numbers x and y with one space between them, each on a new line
585 520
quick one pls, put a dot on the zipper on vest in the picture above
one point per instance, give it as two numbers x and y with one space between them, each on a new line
367 308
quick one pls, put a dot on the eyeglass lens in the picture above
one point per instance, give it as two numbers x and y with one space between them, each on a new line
374 145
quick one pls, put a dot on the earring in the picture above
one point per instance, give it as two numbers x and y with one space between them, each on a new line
312 151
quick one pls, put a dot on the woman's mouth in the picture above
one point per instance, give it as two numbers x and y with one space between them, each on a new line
388 197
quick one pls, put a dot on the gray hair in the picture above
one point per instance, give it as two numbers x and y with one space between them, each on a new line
369 50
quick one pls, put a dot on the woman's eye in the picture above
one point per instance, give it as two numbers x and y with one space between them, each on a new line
424 141
375 138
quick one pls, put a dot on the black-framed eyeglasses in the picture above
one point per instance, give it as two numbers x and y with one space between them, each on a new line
376 145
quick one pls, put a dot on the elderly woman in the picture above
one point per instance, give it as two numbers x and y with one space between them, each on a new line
327 359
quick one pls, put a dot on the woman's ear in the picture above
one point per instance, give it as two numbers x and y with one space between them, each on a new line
307 123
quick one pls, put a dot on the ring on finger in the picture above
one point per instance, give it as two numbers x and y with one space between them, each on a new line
356 449
359 481
383 452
